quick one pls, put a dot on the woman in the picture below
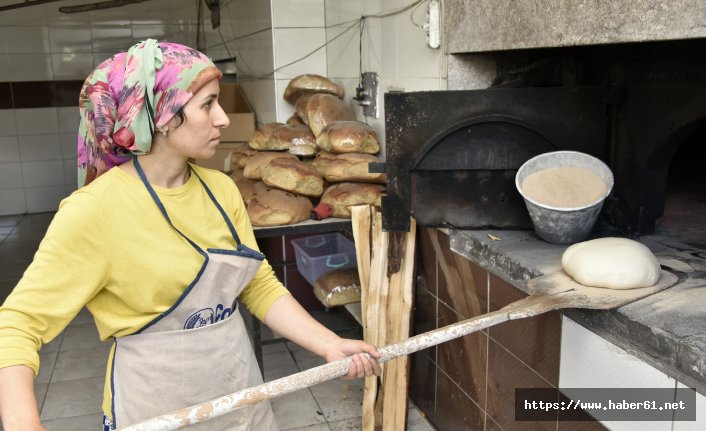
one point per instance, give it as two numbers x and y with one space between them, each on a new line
157 249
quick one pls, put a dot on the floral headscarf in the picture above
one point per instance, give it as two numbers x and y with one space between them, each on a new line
129 95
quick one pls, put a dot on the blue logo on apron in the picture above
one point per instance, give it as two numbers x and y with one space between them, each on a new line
206 316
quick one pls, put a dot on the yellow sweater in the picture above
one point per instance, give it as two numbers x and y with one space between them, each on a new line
111 249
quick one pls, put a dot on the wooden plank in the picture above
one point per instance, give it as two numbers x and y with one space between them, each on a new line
375 312
386 269
361 226
399 310
361 217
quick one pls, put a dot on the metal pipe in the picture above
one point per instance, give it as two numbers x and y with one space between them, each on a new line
25 4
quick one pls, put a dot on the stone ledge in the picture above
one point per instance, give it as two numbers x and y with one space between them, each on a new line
667 330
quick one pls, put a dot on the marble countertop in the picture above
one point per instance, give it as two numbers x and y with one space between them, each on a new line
666 330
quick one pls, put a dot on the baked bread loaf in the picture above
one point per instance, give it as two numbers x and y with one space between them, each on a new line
324 109
348 137
294 120
260 139
241 154
248 188
237 174
353 167
338 287
322 160
298 139
304 84
301 107
253 168
294 176
343 195
274 207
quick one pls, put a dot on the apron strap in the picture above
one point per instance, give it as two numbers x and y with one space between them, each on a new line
141 173
220 209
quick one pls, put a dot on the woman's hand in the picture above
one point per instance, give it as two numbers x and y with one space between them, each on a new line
364 357
287 318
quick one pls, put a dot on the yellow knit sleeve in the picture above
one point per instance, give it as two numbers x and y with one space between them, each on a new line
68 269
264 289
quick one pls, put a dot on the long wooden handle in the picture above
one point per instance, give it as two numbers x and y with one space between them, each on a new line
529 306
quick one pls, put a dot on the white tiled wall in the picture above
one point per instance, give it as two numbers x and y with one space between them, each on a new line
38 147
247 30
299 30
589 361
38 43
392 46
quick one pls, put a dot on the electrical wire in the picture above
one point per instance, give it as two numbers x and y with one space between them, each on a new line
225 45
310 53
411 15
354 22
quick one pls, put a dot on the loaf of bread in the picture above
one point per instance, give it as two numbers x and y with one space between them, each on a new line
274 207
348 137
237 174
253 168
248 188
260 139
338 287
294 176
324 109
322 160
301 107
353 167
341 196
304 84
294 120
297 138
241 154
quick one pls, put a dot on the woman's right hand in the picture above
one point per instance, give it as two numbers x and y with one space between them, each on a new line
18 406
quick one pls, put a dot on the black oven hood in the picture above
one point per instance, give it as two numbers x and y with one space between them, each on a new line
451 156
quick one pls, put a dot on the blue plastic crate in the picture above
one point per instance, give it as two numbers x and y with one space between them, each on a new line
318 254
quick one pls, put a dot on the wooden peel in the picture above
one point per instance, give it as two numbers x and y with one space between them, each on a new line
550 292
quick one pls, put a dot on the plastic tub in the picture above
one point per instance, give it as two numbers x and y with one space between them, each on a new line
564 225
318 254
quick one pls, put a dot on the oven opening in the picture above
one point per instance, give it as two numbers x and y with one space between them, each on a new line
684 215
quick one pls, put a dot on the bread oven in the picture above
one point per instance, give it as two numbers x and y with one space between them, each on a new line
452 155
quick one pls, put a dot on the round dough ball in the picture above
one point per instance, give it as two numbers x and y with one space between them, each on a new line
614 263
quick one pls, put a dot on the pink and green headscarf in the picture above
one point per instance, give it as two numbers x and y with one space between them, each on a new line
130 95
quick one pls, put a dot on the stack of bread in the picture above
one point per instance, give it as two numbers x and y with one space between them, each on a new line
320 156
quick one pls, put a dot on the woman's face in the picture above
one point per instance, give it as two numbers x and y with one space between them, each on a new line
199 135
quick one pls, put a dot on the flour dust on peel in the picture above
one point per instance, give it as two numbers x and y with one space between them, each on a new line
613 263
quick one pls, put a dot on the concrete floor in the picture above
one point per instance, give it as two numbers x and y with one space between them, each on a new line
69 386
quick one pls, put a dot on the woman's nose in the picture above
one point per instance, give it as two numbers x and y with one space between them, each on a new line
221 121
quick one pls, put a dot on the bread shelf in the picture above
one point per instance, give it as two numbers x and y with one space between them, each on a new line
307 226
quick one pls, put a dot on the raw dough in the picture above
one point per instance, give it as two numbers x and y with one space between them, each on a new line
615 263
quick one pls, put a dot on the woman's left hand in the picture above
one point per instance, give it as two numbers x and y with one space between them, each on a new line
364 357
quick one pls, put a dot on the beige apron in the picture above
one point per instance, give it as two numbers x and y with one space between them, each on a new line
195 351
